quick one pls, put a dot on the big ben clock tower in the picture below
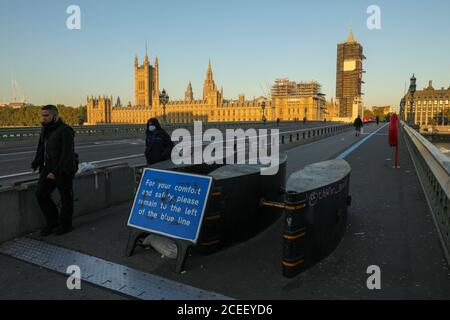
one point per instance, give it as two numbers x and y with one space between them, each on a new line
349 75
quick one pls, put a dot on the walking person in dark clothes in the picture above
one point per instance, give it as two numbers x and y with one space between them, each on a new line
158 144
57 164
358 126
377 120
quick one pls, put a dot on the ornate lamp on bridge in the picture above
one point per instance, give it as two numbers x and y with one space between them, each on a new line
412 91
402 109
164 99
263 107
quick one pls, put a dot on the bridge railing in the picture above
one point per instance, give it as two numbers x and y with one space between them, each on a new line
121 130
433 168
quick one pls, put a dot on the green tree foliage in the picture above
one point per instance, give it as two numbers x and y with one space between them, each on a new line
368 113
380 114
30 116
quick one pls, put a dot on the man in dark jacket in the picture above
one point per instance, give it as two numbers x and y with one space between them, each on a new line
158 144
55 160
358 126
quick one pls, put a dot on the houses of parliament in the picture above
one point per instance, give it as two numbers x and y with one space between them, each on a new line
288 101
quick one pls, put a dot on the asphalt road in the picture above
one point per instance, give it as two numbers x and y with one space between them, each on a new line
15 161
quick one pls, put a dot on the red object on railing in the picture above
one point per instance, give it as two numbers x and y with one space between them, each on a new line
393 137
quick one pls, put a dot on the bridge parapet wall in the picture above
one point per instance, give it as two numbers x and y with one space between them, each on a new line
433 169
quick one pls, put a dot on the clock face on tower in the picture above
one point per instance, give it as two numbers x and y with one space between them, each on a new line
349 65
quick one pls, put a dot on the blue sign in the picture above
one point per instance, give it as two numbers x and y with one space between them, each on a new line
170 203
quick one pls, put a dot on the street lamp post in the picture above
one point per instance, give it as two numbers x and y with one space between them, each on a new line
263 107
402 109
412 90
321 107
164 99
315 106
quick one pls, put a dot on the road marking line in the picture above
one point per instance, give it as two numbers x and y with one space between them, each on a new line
15 153
378 134
357 145
119 158
76 148
16 175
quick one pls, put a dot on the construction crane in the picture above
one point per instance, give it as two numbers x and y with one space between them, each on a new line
13 90
16 96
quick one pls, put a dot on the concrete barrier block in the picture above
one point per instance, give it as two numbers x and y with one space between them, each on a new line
9 214
120 184
20 212
314 229
238 207
30 214
90 193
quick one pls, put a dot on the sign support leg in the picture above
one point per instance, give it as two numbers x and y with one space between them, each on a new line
133 236
182 251
396 165
396 156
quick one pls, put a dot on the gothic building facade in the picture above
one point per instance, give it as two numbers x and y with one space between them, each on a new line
212 107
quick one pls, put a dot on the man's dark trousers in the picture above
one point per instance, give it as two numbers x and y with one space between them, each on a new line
45 187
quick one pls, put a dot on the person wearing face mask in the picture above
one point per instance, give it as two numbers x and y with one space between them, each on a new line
56 161
158 144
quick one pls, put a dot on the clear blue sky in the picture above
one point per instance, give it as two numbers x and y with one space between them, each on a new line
249 42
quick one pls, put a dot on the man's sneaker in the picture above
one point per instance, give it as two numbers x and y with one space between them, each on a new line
63 230
48 230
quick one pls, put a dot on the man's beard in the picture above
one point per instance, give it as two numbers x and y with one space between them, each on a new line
47 125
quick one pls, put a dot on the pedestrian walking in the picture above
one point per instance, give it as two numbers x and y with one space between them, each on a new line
158 144
57 163
358 126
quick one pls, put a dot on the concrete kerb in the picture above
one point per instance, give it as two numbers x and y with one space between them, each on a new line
20 214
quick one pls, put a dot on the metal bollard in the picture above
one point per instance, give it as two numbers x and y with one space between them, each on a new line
211 234
294 236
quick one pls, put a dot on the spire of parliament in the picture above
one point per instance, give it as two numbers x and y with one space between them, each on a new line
209 74
351 38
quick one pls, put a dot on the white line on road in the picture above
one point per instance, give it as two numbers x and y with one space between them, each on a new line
94 162
378 134
357 145
115 159
80 147
16 175
16 153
